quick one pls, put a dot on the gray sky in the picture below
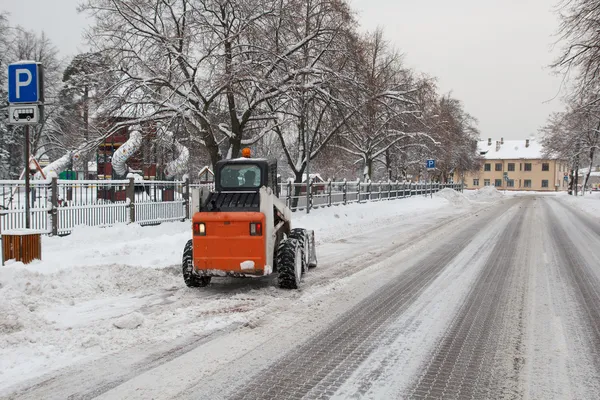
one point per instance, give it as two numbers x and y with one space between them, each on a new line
492 54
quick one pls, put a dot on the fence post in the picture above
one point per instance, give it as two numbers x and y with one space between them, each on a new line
288 198
131 197
358 191
369 190
345 190
186 196
309 187
54 206
329 194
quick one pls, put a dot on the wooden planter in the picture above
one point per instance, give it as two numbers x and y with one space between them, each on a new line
21 245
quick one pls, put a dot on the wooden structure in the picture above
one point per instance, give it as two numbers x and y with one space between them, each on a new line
23 245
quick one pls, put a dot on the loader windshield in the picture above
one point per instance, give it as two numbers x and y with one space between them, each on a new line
234 176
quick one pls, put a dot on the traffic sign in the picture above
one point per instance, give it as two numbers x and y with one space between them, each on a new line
430 164
24 114
506 178
567 178
25 82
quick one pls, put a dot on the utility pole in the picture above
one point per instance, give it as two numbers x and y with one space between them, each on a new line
27 184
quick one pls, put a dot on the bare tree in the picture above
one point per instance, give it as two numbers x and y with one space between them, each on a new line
574 136
384 95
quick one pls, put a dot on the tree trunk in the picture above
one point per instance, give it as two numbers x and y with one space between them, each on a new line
587 176
368 172
576 180
571 181
297 188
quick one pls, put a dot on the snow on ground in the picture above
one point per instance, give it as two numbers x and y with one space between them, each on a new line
103 290
590 202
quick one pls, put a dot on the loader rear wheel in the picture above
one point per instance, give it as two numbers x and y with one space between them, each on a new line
289 263
191 279
301 235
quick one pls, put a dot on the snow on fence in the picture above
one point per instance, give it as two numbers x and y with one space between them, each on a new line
57 206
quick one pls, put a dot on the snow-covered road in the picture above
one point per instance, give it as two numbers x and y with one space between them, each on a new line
418 298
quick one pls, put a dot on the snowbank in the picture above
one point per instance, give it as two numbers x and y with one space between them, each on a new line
331 223
487 193
589 203
455 198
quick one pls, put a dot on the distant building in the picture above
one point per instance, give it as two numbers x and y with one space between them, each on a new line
517 165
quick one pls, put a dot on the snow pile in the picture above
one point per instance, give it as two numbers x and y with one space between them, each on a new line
455 198
487 193
590 202
129 321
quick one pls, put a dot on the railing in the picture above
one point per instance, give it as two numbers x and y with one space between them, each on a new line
58 206
325 194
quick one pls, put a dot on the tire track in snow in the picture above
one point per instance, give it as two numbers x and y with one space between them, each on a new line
470 360
317 369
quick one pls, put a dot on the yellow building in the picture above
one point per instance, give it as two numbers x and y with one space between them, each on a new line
517 165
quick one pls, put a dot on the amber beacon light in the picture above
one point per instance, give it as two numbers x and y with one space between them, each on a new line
246 152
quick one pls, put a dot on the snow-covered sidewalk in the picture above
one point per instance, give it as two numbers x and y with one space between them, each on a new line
104 290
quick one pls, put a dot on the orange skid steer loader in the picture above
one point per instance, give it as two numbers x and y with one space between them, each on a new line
243 229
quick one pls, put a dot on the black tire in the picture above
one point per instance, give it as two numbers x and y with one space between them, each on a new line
289 264
301 235
191 279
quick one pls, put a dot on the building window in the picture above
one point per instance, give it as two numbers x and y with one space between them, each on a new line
486 182
475 182
511 166
510 183
527 166
487 167
498 183
545 183
498 167
527 183
545 166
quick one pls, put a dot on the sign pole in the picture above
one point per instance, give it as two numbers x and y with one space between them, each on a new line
27 188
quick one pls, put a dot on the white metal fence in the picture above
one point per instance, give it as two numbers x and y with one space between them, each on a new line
57 206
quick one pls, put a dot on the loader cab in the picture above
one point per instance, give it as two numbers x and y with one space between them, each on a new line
246 175
238 182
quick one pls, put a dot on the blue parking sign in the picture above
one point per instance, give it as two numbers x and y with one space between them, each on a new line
430 164
25 82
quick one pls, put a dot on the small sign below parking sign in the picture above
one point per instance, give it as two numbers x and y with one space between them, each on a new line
24 114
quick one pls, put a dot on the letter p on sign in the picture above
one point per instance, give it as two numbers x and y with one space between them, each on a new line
25 83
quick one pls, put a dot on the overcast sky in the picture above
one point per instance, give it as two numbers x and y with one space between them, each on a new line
492 54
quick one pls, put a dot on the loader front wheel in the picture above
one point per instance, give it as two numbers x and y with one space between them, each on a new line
289 263
189 277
